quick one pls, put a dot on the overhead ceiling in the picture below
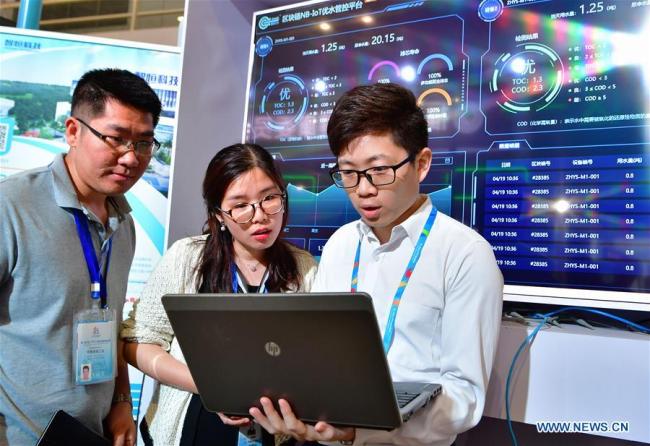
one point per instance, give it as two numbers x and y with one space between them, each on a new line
247 8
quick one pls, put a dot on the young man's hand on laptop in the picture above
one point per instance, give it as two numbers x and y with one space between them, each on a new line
287 423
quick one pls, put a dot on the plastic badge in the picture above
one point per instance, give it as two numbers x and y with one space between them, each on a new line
250 435
94 346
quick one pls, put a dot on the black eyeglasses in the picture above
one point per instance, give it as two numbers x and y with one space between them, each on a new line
377 176
122 146
244 212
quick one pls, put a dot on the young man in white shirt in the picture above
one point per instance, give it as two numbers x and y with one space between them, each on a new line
447 314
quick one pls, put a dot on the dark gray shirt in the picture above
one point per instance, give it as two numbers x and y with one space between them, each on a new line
43 281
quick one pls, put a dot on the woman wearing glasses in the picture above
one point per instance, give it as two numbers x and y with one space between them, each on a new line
239 251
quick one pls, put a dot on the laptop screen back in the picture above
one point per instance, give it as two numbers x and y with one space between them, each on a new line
322 352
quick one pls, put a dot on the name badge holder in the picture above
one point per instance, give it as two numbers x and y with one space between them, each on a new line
250 435
94 335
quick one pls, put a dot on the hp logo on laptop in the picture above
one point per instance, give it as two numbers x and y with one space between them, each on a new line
272 348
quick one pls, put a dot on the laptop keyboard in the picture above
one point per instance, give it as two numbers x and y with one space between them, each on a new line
403 398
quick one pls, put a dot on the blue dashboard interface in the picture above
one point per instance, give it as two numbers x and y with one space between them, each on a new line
538 114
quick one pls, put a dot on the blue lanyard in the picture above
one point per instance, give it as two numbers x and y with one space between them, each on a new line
97 279
389 332
235 279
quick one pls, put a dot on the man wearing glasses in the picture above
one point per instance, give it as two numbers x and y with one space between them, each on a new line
440 312
67 244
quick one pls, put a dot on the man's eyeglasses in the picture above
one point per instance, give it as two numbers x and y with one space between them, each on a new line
377 176
122 146
244 212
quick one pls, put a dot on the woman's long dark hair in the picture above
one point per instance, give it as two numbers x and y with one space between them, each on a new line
217 260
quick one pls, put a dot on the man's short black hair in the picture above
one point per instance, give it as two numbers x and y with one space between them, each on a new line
98 86
378 109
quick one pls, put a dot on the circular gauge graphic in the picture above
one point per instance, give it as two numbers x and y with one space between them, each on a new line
264 46
528 79
437 105
384 71
490 10
284 102
430 59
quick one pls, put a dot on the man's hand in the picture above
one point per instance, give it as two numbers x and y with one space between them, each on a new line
119 424
286 423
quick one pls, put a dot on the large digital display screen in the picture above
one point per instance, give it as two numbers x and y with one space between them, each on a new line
539 119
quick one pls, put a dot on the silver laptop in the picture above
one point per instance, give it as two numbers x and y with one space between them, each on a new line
322 352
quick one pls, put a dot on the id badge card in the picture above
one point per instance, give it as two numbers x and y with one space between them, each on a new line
250 435
94 346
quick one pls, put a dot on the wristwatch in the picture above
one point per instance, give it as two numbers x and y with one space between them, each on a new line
122 398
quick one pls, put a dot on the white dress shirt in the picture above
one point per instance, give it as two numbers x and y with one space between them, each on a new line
448 320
